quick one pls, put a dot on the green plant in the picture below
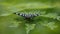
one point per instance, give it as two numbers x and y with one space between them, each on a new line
47 23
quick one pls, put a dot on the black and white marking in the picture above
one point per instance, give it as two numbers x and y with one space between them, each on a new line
27 15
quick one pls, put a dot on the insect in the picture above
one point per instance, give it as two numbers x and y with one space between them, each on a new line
27 16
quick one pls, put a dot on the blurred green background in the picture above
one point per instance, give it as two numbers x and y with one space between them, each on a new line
47 23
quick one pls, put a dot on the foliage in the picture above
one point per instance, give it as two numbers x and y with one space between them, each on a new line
47 23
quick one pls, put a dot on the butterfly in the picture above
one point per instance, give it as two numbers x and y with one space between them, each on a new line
27 16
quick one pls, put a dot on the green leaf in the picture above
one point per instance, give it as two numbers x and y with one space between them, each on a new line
47 23
29 27
8 25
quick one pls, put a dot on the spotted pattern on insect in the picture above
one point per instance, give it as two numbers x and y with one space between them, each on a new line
27 15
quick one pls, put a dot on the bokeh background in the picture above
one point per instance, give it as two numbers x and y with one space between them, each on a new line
47 23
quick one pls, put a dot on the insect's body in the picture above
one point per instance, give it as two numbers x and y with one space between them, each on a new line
27 16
